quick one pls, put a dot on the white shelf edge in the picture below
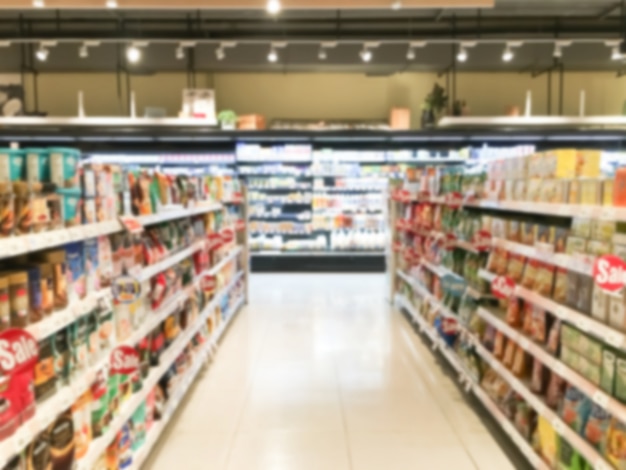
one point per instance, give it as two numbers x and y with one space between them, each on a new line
98 446
178 214
154 269
562 260
570 375
20 244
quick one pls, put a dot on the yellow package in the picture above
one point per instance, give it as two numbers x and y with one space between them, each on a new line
588 163
607 192
548 441
562 164
574 192
590 191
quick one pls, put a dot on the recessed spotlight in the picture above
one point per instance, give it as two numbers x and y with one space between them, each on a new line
366 55
273 7
133 54
42 53
111 4
39 3
220 53
322 55
410 53
180 53
616 54
558 51
83 51
273 55
462 55
397 5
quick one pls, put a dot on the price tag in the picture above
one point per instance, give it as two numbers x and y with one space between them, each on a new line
583 324
558 425
615 339
601 399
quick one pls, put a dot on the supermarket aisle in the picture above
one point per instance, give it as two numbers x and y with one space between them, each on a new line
318 373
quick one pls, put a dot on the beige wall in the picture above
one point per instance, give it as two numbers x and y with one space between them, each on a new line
323 96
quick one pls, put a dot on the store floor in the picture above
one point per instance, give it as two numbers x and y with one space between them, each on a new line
319 373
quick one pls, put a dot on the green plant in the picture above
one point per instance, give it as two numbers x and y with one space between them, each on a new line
437 100
227 117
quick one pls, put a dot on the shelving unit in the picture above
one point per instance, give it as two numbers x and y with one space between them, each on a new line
414 269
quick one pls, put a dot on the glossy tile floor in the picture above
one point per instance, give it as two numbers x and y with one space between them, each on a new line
319 373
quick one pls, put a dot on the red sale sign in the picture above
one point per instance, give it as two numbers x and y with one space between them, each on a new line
609 273
124 360
503 287
19 351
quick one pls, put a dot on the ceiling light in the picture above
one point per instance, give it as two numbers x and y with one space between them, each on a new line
616 54
180 53
462 55
397 5
42 53
366 54
220 53
39 3
508 55
321 55
410 54
111 3
273 55
273 7
558 52
133 54
83 51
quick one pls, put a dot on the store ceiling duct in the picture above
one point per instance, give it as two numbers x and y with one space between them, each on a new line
248 4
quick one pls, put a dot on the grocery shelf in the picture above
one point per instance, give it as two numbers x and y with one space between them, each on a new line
154 269
177 213
581 264
21 244
586 450
452 358
617 214
99 445
140 458
522 444
59 320
601 398
223 262
421 290
569 315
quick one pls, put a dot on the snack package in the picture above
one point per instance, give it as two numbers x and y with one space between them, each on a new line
548 441
607 377
600 304
530 274
544 281
616 444
560 286
515 267
514 313
527 233
81 415
61 437
575 409
539 377
555 391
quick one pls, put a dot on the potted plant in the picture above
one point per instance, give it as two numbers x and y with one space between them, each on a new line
227 119
434 103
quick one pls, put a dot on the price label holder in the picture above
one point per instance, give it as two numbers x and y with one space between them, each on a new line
601 399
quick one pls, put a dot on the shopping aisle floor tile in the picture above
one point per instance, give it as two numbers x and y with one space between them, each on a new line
318 372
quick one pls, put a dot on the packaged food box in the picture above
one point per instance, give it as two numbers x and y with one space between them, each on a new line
575 409
12 166
581 227
576 246
603 230
572 289
590 192
520 190
527 233
570 357
599 248
588 164
560 239
620 379
585 293
553 191
544 234
617 312
607 377
600 304
561 164
573 192
593 350
64 167
589 370
533 190
37 165
560 286
607 192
